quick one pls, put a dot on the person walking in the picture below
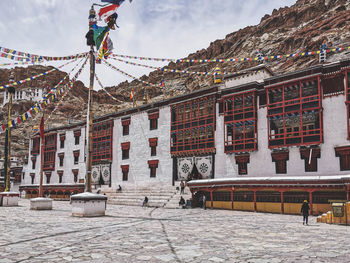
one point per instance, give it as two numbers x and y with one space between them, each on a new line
182 185
305 211
145 202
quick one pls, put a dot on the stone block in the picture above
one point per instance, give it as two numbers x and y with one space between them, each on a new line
9 198
41 203
88 205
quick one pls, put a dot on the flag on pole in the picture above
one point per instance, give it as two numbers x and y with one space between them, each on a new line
107 11
162 84
132 94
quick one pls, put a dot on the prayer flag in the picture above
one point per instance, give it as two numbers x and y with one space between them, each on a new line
99 34
116 2
107 11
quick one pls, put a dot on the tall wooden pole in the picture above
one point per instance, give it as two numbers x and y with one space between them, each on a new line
42 147
90 112
7 168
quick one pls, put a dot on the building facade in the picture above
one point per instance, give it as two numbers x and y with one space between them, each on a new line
30 94
293 128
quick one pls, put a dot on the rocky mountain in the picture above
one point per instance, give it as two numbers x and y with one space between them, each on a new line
301 27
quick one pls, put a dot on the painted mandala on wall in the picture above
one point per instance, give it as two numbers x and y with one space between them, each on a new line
94 175
185 168
203 168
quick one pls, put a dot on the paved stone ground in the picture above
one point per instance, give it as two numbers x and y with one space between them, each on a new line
136 234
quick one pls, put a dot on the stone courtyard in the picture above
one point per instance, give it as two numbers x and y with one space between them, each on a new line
136 234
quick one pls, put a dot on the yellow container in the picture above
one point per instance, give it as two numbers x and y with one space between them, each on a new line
324 218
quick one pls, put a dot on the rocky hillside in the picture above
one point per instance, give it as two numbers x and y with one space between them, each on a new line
301 27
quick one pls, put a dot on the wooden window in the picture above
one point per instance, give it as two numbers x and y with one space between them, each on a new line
60 176
33 163
240 122
280 159
35 146
344 157
125 150
242 160
77 135
153 120
32 175
75 174
62 140
126 124
61 157
102 141
295 113
310 156
76 156
153 144
50 146
48 177
193 126
125 171
153 165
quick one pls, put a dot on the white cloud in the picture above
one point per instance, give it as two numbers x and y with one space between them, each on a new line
154 28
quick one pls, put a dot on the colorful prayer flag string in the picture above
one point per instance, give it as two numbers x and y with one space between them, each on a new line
28 56
301 54
47 99
103 88
128 75
213 73
34 77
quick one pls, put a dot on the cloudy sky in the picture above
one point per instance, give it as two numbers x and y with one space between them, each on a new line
151 28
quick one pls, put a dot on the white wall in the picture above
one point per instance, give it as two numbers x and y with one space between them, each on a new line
140 151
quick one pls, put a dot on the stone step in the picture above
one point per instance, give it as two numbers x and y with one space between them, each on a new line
136 203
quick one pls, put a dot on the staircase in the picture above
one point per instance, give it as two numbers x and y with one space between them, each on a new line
174 201
157 197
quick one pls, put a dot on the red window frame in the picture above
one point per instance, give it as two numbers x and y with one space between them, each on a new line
242 161
287 111
280 159
240 118
61 157
35 146
153 165
126 124
347 83
314 153
193 126
60 176
50 147
76 156
75 174
62 139
125 171
343 153
33 162
32 175
48 177
153 120
153 142
77 135
102 141
125 150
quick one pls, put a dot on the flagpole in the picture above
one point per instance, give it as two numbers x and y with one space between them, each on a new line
42 139
90 112
11 90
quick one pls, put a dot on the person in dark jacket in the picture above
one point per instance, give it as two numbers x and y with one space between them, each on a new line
145 202
182 202
305 211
